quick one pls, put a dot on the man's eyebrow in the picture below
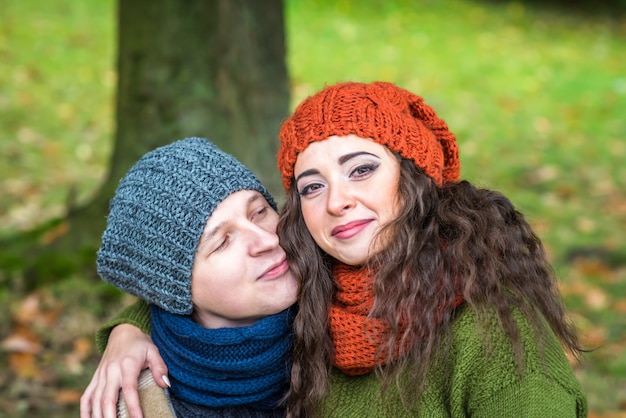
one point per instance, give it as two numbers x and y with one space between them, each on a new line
209 234
256 196
341 160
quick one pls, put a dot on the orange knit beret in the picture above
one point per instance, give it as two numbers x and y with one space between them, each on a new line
381 111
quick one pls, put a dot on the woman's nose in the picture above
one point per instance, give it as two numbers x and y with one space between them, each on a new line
339 198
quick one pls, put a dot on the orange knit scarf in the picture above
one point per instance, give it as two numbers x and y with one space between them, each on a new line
356 337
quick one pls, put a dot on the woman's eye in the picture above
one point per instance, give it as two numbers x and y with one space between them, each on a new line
363 170
310 188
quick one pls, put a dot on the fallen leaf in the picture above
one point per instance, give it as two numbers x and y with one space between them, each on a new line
67 397
620 306
19 344
83 347
74 360
596 298
28 309
23 340
573 287
54 233
594 337
49 316
24 364
32 312
592 267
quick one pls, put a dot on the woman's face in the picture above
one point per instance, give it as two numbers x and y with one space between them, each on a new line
348 190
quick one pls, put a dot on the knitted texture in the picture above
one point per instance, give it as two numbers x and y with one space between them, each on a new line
188 410
226 367
357 338
470 380
158 214
475 377
154 401
137 314
381 111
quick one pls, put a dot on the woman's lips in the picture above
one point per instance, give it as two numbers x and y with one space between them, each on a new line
350 229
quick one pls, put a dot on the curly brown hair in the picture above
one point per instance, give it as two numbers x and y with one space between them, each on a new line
449 240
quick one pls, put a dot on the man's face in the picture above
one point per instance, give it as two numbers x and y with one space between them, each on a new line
240 272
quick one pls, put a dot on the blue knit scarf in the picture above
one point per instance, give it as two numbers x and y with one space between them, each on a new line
226 367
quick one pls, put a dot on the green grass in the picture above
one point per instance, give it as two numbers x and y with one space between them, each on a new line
536 98
57 83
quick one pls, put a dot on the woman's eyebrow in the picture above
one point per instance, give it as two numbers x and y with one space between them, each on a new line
341 160
309 172
352 155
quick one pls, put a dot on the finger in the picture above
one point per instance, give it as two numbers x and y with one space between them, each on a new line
85 399
97 397
131 397
157 366
108 404
130 378
110 394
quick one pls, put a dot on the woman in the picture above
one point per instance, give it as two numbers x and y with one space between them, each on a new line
429 297
179 219
421 295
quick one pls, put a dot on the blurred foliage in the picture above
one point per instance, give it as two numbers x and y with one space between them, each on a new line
535 93
582 7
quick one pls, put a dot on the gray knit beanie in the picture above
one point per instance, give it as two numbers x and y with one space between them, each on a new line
158 214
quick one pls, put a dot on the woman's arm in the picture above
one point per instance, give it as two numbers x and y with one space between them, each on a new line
128 349
137 314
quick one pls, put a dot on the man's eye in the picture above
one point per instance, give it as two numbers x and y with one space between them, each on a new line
221 245
260 212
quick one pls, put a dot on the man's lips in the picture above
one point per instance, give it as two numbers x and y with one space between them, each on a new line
275 270
350 229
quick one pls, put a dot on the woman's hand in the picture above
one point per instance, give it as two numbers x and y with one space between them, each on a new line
128 352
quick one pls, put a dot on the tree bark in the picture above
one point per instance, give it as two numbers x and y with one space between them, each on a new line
208 68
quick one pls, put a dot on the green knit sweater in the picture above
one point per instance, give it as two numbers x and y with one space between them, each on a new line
473 379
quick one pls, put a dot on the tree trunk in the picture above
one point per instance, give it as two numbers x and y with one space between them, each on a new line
208 68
